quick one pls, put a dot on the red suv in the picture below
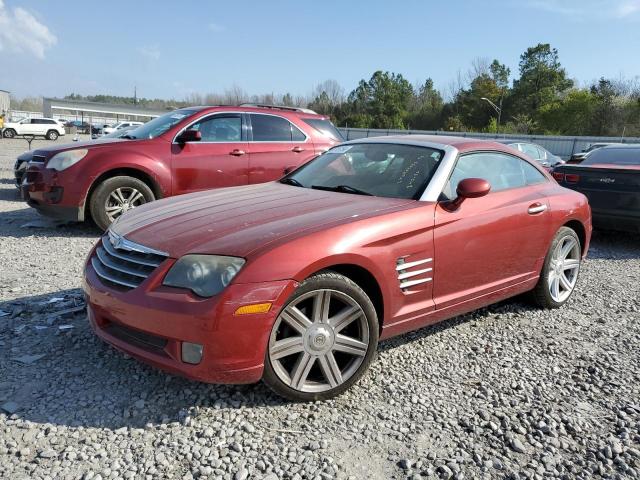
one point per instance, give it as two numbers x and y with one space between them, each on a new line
183 151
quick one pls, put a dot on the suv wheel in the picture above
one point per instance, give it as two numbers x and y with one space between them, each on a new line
115 196
52 135
323 340
9 133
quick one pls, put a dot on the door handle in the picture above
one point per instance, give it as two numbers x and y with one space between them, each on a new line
537 208
237 153
297 149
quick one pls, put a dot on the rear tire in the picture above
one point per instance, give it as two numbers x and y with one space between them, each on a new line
52 135
323 339
560 270
115 196
9 133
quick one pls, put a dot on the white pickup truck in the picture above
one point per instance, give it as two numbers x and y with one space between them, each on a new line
39 127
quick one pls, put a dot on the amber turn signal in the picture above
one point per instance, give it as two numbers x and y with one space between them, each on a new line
255 308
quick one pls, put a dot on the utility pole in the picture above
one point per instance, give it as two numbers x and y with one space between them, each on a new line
498 110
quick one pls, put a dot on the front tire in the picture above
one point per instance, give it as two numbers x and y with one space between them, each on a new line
52 135
323 340
9 133
560 270
115 196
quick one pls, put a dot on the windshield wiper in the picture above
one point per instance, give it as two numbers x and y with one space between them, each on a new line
342 188
291 181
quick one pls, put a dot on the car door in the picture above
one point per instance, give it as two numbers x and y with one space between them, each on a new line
28 127
219 159
493 242
276 146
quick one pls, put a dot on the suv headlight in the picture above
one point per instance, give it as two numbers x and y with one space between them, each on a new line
63 160
204 275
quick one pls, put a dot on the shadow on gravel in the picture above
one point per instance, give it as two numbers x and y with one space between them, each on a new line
8 181
27 222
9 194
610 245
70 377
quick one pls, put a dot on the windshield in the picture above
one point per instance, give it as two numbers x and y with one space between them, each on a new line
161 124
325 127
616 156
380 169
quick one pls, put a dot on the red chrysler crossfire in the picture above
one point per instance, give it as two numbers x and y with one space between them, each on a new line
295 281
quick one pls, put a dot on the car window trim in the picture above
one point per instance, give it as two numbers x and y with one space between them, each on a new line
244 136
526 185
251 140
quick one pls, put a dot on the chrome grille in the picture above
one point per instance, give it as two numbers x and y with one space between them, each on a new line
125 265
407 272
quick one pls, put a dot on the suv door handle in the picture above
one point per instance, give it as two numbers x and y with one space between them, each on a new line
537 208
297 149
237 153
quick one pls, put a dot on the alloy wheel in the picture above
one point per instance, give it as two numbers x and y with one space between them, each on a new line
564 268
121 200
319 341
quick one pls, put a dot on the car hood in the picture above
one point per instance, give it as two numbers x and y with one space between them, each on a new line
240 220
90 144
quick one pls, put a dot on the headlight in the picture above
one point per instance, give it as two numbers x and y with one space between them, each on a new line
204 275
64 160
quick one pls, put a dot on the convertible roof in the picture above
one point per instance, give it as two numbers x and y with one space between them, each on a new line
463 144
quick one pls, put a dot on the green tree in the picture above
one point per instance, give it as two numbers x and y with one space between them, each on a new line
382 102
426 108
542 77
570 114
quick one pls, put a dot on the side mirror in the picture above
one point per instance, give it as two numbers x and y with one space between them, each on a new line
189 136
468 188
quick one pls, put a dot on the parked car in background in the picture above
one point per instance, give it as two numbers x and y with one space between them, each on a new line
39 127
294 282
577 158
81 127
182 151
610 177
538 153
123 132
119 126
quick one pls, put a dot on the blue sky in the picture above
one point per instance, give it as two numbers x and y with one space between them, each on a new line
170 49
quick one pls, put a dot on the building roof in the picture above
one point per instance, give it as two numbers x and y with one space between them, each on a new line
101 108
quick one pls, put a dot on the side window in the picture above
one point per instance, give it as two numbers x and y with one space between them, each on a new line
296 134
500 170
531 174
218 128
541 153
269 128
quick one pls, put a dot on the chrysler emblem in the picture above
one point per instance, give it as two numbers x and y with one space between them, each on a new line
116 240
607 180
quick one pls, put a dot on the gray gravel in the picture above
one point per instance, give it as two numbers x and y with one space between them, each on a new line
505 392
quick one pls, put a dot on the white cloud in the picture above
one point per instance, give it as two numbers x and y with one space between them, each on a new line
214 27
588 9
628 8
21 32
150 51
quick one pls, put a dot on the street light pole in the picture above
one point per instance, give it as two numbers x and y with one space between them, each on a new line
498 110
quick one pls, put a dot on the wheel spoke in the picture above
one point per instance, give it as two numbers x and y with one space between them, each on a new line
114 208
321 303
350 345
567 247
295 318
330 369
117 195
301 370
286 347
564 281
570 264
344 317
555 288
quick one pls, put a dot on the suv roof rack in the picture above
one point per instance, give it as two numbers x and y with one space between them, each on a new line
279 107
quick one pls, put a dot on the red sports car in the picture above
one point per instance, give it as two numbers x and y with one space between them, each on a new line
295 282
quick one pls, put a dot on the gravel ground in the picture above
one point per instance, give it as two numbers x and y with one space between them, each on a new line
506 392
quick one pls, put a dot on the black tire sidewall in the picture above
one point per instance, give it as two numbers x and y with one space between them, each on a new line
333 281
9 133
542 295
52 135
102 191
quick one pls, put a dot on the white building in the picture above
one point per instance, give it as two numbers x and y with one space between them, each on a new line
4 102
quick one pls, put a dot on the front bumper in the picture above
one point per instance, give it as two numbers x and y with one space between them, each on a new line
45 190
150 323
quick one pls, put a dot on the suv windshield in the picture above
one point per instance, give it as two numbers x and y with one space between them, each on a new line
616 156
161 124
380 169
